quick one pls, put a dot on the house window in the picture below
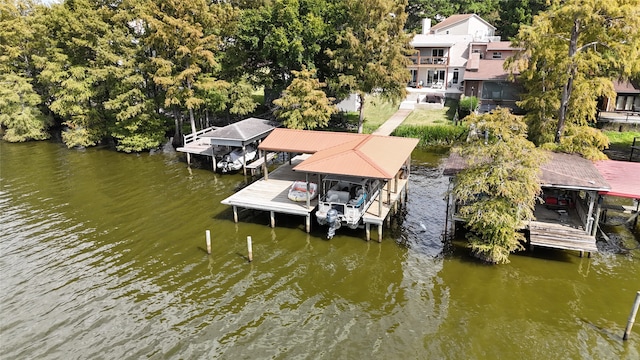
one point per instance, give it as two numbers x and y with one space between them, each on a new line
437 52
497 55
455 76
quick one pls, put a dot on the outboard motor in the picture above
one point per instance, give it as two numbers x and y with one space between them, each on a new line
332 217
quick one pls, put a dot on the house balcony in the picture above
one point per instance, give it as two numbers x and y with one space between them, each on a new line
429 61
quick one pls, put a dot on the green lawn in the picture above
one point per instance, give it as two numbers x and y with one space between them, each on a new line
433 116
376 112
621 139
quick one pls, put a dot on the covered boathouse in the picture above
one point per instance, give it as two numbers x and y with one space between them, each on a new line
218 141
317 154
567 217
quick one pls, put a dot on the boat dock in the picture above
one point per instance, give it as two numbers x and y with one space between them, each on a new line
271 195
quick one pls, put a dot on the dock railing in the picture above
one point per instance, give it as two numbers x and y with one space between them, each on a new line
196 135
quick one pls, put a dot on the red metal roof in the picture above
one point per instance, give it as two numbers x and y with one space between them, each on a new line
304 141
623 176
360 155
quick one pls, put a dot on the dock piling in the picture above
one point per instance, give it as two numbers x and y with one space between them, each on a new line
632 316
208 236
249 248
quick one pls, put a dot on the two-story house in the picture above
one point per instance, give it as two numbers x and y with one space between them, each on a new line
442 51
462 55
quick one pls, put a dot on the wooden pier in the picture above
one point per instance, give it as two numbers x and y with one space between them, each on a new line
559 236
271 195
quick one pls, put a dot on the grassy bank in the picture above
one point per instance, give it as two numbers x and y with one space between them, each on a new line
431 135
621 139
376 112
421 117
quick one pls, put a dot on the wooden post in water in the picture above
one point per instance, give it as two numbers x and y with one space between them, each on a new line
208 236
249 248
632 317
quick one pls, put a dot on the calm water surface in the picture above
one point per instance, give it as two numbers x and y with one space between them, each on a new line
102 256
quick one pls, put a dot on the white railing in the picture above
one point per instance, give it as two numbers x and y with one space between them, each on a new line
195 136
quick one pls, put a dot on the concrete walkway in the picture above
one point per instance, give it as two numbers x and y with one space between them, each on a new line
393 122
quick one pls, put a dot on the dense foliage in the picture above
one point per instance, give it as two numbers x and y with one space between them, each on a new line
499 187
130 72
571 54
303 104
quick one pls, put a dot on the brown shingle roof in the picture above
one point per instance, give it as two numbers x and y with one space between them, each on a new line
487 70
625 87
360 155
561 171
571 170
499 45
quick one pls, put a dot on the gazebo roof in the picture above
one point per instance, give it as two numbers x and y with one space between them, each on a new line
240 133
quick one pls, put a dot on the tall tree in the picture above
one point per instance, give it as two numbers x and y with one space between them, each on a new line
184 42
515 13
499 187
436 10
277 38
572 52
303 104
20 115
371 52
69 72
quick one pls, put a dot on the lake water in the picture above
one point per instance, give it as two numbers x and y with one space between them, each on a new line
102 255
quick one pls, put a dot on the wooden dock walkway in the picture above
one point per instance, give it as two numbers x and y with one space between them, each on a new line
559 236
271 195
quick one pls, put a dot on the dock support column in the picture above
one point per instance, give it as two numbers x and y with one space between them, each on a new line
188 158
594 229
306 178
395 183
367 230
244 160
273 218
308 223
380 233
213 161
235 213
592 200
632 317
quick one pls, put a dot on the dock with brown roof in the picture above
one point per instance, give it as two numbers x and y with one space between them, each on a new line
329 153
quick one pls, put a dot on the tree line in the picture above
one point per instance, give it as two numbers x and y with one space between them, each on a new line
133 72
